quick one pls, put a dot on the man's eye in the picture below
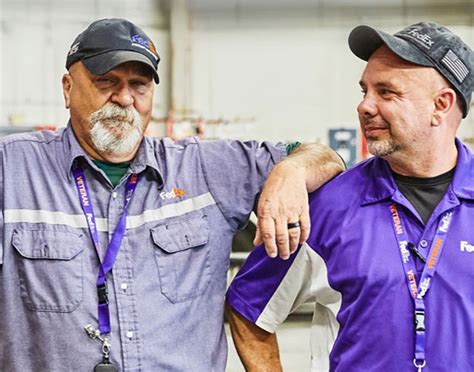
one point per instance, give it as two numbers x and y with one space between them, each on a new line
104 81
385 92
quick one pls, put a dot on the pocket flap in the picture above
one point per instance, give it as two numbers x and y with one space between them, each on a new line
46 244
181 235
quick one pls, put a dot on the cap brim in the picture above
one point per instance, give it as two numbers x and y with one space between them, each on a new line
365 40
102 63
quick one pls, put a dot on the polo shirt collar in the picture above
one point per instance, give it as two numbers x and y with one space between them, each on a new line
463 180
145 157
381 184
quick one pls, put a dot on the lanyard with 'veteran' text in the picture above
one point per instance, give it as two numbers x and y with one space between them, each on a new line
106 265
419 291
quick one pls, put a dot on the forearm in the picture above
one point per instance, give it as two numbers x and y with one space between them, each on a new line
257 349
315 162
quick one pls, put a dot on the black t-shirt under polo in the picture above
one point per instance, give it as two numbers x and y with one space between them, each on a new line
424 193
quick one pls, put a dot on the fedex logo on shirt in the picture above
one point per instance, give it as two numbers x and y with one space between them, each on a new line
466 247
174 193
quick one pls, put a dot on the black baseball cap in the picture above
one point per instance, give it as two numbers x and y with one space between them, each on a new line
107 43
425 44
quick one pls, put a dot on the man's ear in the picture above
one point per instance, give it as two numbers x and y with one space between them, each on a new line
67 86
444 103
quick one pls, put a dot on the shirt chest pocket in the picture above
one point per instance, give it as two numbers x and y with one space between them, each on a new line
49 269
182 257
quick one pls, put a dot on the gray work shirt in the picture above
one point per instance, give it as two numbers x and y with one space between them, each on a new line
166 289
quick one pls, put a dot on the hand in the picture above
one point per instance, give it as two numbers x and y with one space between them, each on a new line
284 200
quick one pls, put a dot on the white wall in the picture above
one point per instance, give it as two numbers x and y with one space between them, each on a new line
35 36
291 69
284 64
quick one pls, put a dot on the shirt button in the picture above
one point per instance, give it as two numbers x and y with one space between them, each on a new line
114 194
423 243
124 286
130 334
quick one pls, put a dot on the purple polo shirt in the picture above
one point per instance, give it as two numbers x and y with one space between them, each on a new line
352 270
166 289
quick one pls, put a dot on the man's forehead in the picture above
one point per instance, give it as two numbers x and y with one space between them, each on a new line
385 62
384 55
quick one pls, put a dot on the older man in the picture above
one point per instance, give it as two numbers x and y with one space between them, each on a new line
115 247
390 264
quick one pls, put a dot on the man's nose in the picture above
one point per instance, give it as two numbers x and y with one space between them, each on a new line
122 96
367 107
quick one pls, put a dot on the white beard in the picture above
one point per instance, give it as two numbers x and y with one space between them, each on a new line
116 130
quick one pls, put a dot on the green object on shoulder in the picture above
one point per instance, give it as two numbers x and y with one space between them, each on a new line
290 147
114 171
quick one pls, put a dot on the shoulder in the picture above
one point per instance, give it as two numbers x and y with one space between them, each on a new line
334 204
345 188
29 139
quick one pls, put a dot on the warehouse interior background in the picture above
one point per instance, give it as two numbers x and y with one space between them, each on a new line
262 69
279 70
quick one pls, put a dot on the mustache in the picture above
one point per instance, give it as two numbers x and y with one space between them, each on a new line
372 123
114 113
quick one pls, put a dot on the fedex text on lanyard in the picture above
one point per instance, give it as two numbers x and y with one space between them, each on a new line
419 291
114 246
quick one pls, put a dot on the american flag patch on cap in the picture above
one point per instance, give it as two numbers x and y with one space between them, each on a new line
457 67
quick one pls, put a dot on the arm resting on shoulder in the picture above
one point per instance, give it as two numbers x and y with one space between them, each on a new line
320 163
284 198
257 349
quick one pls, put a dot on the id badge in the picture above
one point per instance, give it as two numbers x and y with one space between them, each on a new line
101 367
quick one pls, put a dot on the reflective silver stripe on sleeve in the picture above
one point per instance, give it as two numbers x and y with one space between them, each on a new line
171 210
79 221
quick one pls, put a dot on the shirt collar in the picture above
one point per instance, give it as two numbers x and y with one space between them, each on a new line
463 180
146 155
381 184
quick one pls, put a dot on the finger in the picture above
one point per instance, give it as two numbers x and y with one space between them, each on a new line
282 240
305 225
258 237
267 235
294 236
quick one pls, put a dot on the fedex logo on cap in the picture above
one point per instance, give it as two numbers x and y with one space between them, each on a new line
137 40
424 38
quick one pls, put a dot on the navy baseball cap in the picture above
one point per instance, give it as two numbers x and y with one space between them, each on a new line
107 43
425 44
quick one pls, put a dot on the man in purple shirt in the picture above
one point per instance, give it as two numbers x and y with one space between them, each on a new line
390 261
114 247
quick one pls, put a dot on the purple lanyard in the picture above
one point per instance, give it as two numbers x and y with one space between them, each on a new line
419 291
114 245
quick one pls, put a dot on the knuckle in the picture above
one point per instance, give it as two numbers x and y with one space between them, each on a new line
282 239
266 236
304 224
